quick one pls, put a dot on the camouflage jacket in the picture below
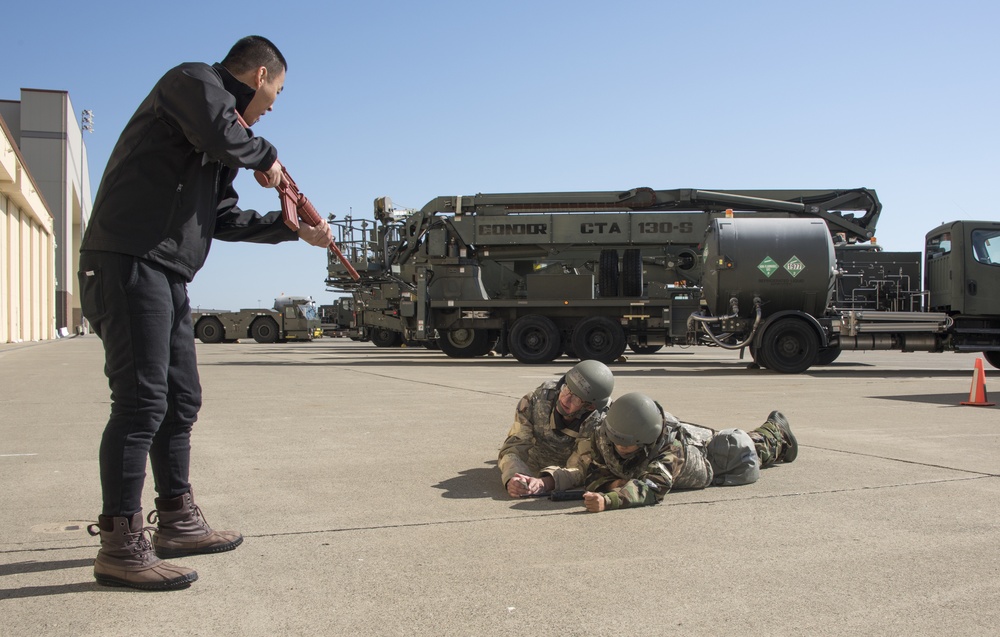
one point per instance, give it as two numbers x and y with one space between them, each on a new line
539 437
677 460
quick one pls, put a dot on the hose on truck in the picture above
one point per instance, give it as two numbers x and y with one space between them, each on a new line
697 320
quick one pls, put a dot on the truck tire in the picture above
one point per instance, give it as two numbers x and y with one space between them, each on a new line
608 273
209 330
465 342
535 339
632 272
790 346
598 338
644 349
827 355
384 337
264 330
758 357
993 358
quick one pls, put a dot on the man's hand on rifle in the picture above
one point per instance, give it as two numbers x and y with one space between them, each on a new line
319 235
273 175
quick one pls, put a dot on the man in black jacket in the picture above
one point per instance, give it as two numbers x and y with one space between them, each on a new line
166 192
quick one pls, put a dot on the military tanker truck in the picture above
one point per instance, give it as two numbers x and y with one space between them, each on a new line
766 281
292 318
589 274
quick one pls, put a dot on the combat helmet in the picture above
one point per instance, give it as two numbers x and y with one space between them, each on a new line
634 419
592 381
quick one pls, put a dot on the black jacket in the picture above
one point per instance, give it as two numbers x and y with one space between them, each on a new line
168 187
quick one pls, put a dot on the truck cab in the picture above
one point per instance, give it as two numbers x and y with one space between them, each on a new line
962 270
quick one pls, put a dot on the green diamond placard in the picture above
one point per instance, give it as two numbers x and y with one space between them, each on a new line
795 266
768 266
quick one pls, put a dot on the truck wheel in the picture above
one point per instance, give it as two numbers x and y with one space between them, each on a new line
264 330
535 339
993 358
465 343
632 272
644 349
827 355
598 338
209 330
758 357
790 346
608 273
384 337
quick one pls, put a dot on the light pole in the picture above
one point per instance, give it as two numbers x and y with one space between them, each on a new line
86 124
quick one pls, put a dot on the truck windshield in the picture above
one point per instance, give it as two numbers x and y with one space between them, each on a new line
986 246
308 311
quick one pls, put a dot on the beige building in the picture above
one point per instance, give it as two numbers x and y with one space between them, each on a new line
48 142
27 251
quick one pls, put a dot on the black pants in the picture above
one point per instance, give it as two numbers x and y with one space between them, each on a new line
141 312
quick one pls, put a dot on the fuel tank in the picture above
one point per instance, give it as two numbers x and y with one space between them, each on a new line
788 263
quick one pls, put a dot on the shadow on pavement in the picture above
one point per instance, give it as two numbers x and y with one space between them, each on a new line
630 368
474 483
60 589
948 400
19 568
544 504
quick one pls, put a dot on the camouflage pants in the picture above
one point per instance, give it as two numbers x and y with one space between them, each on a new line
769 442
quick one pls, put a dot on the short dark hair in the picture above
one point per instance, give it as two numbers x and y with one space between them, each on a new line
253 52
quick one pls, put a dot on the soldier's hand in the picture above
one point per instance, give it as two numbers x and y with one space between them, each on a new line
521 485
593 501
617 484
517 487
319 235
273 175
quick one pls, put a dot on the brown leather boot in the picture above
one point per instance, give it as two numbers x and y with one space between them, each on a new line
126 557
182 529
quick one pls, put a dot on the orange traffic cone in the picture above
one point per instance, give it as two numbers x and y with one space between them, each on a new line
977 394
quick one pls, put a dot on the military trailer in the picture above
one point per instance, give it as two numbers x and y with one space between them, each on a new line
789 275
293 318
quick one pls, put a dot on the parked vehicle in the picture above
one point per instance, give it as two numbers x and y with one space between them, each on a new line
293 318
790 275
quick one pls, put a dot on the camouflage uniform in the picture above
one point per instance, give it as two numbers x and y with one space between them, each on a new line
677 460
540 436
769 443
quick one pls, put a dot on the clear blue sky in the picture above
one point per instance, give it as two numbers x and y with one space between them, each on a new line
419 99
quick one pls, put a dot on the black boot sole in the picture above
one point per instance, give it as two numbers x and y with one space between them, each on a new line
168 585
165 554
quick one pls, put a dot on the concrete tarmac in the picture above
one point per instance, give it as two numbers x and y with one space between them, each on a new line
364 481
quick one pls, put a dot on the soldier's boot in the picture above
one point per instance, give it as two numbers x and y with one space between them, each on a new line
127 558
791 445
181 529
